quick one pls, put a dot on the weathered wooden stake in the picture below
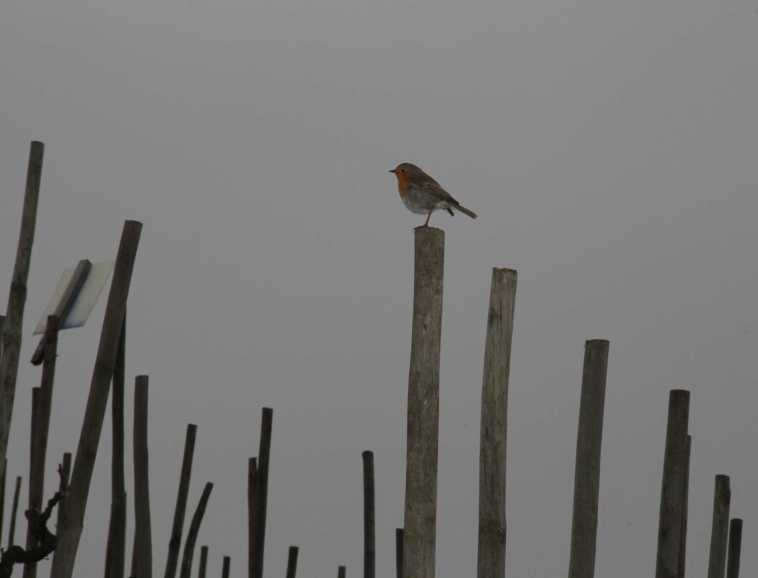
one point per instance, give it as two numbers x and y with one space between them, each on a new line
722 496
14 320
194 529
494 425
203 561
735 548
369 542
341 571
292 562
672 496
143 532
685 511
42 403
65 474
81 476
252 466
115 556
399 539
181 502
419 545
3 473
261 489
225 567
14 513
588 449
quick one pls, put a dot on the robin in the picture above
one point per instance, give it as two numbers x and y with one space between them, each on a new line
422 194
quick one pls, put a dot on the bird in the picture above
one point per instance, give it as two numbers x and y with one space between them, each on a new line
421 194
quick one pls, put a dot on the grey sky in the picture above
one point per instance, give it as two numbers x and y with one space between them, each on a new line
609 148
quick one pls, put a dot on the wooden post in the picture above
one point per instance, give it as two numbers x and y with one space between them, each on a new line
2 322
14 513
494 425
11 334
735 548
42 401
292 562
194 529
181 502
115 557
143 539
203 561
81 477
225 567
399 552
3 473
70 293
419 545
587 471
65 473
341 571
261 489
722 495
369 542
672 497
685 510
251 475
36 471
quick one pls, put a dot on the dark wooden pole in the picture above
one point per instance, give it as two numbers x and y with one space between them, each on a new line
672 496
494 425
251 475
3 484
115 557
225 567
2 323
194 529
369 541
143 532
261 489
685 511
735 548
65 474
722 496
292 561
399 552
81 476
587 471
42 403
14 320
341 571
203 561
36 471
181 502
419 546
14 513
70 293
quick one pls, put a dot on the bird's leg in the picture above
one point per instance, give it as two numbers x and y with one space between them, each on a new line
429 216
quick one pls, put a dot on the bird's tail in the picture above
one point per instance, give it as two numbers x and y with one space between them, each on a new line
465 211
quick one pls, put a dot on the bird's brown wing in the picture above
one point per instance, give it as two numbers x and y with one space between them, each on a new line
434 189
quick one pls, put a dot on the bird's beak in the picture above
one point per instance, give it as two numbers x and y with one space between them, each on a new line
392 171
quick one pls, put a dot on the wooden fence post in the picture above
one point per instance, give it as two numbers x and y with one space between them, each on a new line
181 502
494 425
399 540
261 489
75 504
369 542
735 548
194 529
14 513
722 495
672 497
12 327
252 466
420 523
587 470
203 561
142 532
225 567
292 562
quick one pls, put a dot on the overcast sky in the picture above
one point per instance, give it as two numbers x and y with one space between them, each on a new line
608 146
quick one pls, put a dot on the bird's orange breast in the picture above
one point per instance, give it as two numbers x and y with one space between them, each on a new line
403 182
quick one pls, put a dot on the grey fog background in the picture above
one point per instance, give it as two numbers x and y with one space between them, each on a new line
609 147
